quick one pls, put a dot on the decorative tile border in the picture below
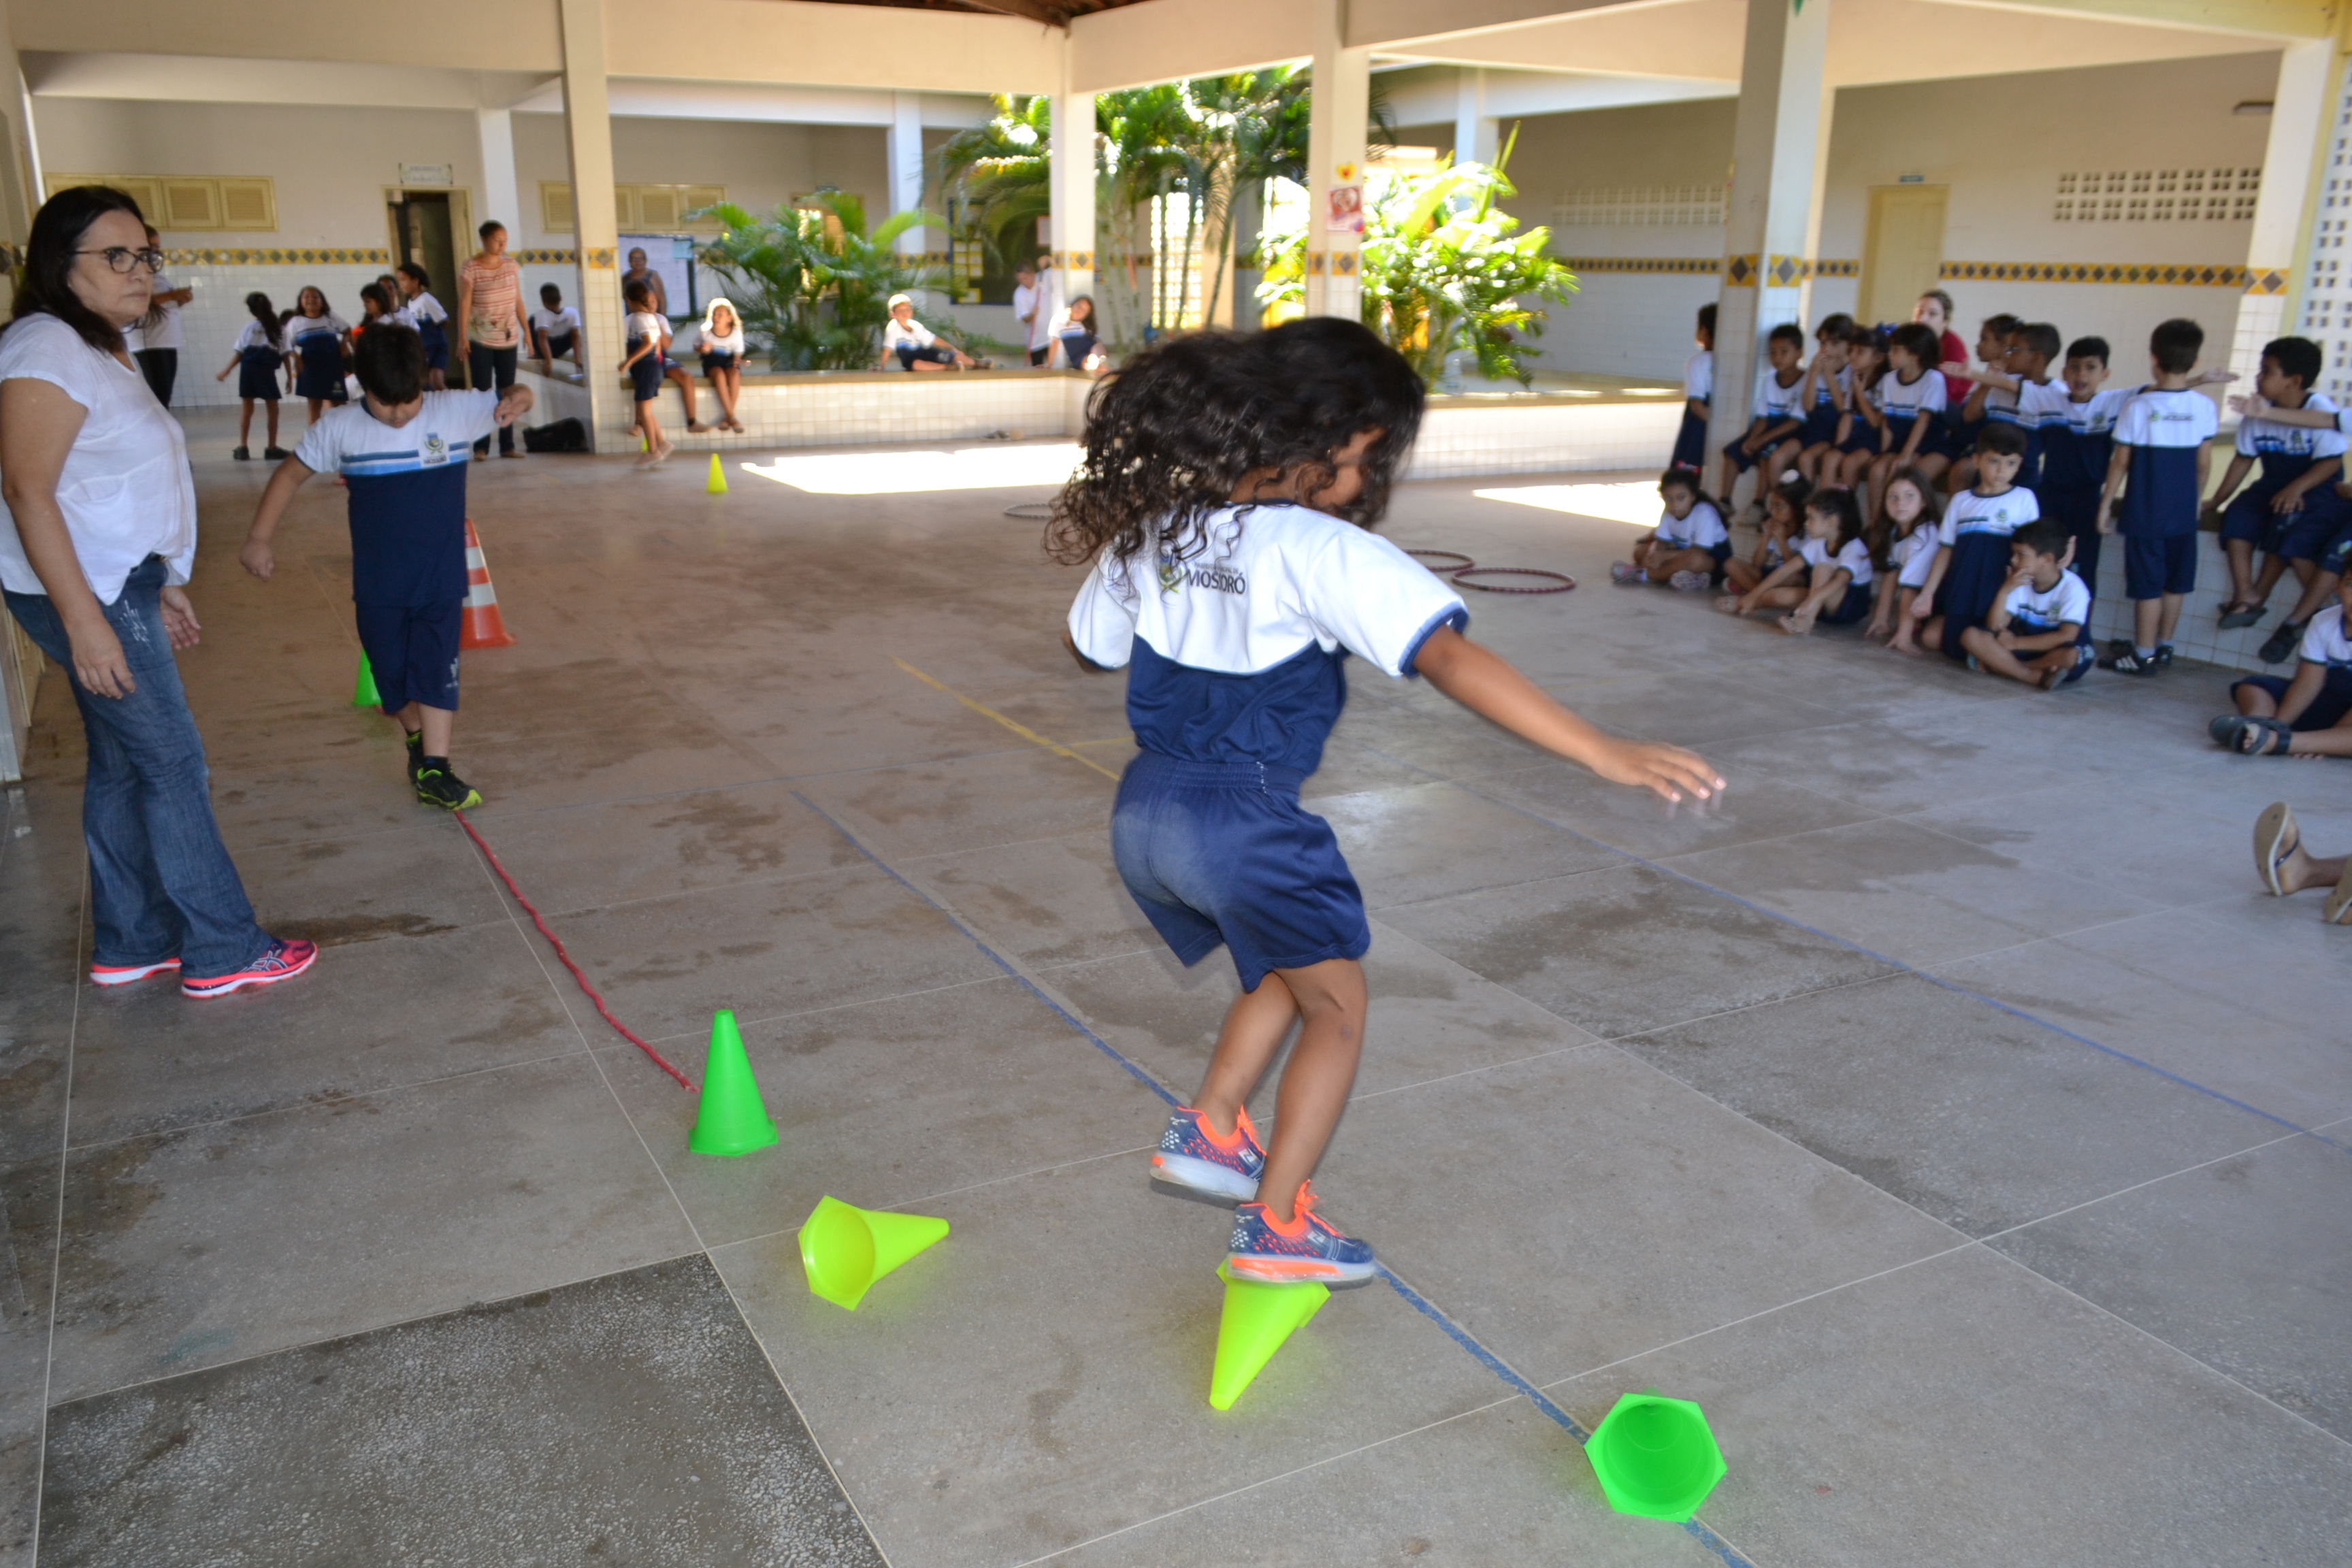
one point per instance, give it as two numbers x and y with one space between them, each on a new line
277 257
1787 271
546 258
1684 265
2170 273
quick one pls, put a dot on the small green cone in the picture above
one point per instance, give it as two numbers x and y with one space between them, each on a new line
1655 1456
1257 1319
731 1119
363 691
844 1248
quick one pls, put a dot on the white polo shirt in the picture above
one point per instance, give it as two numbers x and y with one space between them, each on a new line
125 489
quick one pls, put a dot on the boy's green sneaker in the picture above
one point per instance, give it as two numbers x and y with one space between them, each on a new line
437 785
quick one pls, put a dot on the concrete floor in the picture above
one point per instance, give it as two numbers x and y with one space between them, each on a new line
1948 1112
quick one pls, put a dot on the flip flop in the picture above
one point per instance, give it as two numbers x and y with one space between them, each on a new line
2276 838
2261 738
2234 615
2224 730
2339 903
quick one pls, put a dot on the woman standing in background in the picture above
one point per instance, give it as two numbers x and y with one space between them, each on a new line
492 324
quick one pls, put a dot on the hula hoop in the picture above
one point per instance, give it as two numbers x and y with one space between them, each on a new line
1037 510
1430 559
1561 582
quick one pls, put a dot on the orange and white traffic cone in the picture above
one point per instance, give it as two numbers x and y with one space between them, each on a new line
484 626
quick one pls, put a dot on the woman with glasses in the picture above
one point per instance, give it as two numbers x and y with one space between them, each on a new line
97 531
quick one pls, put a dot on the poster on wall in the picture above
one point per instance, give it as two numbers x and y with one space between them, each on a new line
1347 210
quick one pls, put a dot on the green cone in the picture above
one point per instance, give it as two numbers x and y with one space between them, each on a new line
731 1119
845 1248
363 692
1655 1456
1257 1319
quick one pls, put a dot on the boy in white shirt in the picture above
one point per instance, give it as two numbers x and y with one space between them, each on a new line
554 330
1698 393
2310 715
2036 631
2163 455
1773 416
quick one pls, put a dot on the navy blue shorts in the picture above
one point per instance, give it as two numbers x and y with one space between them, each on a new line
2154 566
1850 608
2326 710
413 652
1821 426
1864 438
1690 441
645 377
1222 852
1743 460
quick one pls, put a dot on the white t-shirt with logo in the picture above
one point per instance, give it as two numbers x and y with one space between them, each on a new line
2032 610
1702 530
914 335
2324 641
1854 556
2005 513
556 324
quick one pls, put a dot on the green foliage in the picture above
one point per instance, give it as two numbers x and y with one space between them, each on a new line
1443 269
1003 171
811 283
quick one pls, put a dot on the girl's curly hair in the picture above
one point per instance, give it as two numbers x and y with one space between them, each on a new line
1170 437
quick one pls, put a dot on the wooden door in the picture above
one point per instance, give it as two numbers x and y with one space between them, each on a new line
1902 250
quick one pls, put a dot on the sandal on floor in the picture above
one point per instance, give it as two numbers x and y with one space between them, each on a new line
2260 738
2238 612
2276 838
2339 903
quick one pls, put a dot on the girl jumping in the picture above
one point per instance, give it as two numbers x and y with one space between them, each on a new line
1225 503
255 356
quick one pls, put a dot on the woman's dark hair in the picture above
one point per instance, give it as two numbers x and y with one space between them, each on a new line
1088 302
49 253
1837 502
491 228
266 314
1170 438
411 269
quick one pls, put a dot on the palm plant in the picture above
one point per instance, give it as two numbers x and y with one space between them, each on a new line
1443 270
1003 170
811 282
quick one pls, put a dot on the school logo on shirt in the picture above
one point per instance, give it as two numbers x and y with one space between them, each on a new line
1174 574
436 450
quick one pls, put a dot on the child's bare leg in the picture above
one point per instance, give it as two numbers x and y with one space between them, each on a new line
273 421
1882 607
2303 869
2335 742
1931 466
2316 592
2168 620
436 722
244 423
1997 658
1255 1027
1662 570
1316 1080
1739 575
685 382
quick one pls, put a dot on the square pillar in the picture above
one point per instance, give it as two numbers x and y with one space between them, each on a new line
502 192
596 224
1338 106
1772 222
2282 210
1070 188
1474 139
906 152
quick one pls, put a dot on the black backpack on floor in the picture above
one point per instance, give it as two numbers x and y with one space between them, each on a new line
563 436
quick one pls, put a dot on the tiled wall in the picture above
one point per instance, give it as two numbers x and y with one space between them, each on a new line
857 409
2200 637
209 322
1465 437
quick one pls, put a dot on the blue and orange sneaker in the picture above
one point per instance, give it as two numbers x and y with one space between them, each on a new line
124 974
1191 1155
280 961
1308 1248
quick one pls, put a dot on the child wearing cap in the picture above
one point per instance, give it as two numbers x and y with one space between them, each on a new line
916 346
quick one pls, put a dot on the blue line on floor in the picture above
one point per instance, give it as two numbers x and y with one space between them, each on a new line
1895 964
1715 1543
1105 1046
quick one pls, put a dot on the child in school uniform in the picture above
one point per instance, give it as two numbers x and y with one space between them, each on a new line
1909 537
1828 578
2076 439
1823 396
554 330
1909 400
1687 550
255 356
2309 715
1774 417
1970 570
375 307
429 318
2291 513
1957 438
2018 391
2163 455
2330 559
317 335
2037 630
1784 525
1231 574
1862 430
401 451
1698 392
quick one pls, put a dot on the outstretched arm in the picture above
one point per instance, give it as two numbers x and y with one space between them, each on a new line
1491 689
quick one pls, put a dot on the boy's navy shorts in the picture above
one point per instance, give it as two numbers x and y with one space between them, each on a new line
2304 535
1743 460
2326 710
413 652
2159 564
1819 428
1222 852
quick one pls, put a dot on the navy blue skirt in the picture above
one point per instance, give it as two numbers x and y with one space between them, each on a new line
1690 441
321 375
436 343
1972 582
257 373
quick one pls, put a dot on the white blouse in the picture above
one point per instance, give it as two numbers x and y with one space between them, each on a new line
125 489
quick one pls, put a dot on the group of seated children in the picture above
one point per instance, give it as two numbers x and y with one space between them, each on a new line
1973 524
310 347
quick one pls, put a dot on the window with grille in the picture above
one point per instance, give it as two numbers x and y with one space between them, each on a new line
1647 205
190 204
639 209
2158 196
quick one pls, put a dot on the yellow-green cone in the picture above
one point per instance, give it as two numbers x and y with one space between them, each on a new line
1257 1319
844 1248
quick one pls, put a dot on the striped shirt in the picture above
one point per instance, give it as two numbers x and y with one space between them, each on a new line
493 317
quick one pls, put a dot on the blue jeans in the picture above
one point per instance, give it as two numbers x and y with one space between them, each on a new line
162 883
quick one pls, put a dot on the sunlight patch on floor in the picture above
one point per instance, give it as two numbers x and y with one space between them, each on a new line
1634 502
904 472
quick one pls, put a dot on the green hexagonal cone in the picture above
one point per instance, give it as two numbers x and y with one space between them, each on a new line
730 1120
1655 1456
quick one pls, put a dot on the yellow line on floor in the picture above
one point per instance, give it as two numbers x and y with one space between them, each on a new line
1018 728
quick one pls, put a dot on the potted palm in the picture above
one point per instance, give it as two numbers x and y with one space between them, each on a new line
811 282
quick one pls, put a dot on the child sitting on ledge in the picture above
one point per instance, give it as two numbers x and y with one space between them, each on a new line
915 345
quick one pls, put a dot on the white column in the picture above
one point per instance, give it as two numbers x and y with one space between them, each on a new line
1337 106
1474 128
1773 222
596 228
906 152
502 193
1070 179
2299 120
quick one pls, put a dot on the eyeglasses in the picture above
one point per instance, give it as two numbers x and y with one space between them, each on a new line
123 259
